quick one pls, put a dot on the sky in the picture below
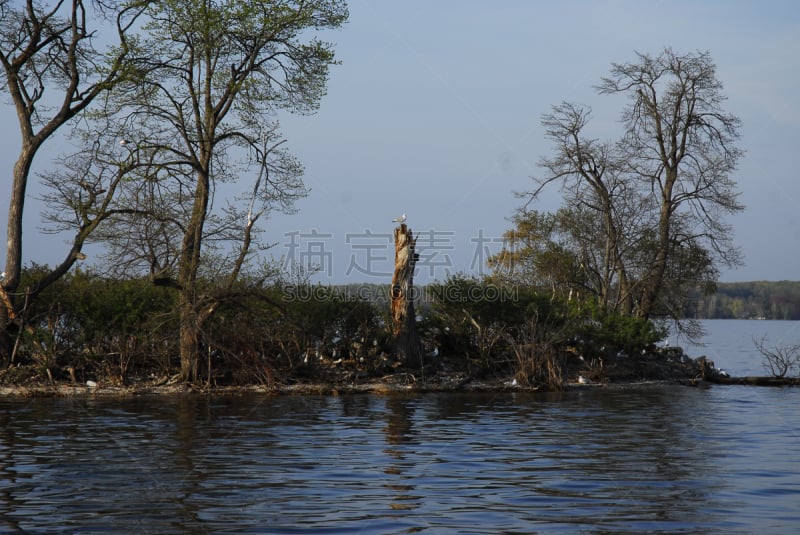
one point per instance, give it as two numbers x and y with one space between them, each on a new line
435 112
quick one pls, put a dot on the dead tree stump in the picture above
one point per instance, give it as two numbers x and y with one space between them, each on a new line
407 346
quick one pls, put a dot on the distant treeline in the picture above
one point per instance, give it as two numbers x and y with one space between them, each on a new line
774 300
779 300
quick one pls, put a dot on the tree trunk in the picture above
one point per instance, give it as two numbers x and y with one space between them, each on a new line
6 316
189 338
13 267
190 321
407 345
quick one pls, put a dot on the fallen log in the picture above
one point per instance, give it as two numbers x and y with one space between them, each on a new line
753 380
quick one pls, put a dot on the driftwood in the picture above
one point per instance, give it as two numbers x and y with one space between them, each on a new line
710 374
407 345
754 380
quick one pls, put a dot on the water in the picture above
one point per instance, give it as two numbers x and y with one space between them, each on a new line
731 343
656 459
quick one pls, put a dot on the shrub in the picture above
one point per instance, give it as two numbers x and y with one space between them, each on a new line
779 361
99 326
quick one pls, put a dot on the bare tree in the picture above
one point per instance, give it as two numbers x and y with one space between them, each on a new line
680 144
644 216
589 173
780 360
52 72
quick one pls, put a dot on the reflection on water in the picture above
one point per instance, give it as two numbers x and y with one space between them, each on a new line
657 459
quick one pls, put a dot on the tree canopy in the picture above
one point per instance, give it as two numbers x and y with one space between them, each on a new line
182 157
210 78
53 72
643 221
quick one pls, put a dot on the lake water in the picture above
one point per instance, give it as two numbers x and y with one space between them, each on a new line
730 343
656 459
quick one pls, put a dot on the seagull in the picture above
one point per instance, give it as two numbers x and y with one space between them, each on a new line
401 219
2 276
583 380
123 142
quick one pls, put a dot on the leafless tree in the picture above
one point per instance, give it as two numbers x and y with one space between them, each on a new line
52 72
644 216
596 192
780 360
681 144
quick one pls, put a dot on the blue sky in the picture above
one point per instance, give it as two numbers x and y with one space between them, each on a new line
435 112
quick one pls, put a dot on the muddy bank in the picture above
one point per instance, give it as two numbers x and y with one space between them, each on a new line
380 386
668 365
444 375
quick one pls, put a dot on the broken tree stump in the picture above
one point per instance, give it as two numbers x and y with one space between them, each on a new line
407 345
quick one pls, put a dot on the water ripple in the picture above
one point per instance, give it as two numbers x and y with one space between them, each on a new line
654 460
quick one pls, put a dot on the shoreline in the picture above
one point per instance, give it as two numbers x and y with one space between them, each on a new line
12 392
380 387
669 366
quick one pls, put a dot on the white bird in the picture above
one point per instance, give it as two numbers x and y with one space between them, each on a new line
401 219
583 380
123 142
3 276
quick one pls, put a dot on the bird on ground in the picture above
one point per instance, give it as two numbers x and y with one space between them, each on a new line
401 219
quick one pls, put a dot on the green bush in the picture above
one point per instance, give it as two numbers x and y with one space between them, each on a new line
473 319
283 330
618 332
98 326
93 327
